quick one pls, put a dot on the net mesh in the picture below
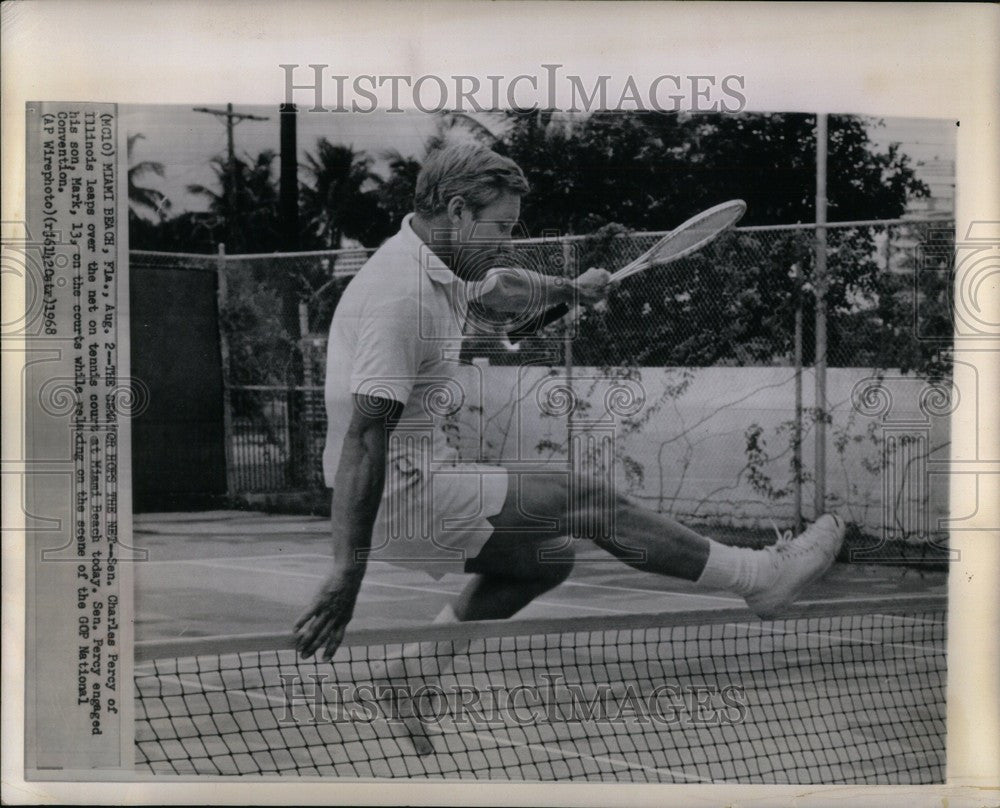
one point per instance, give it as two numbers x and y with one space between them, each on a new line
818 697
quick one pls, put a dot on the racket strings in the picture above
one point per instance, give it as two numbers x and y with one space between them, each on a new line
686 239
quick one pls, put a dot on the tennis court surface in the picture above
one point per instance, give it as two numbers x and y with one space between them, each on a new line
842 690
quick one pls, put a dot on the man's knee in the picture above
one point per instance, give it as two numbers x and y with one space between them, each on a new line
584 489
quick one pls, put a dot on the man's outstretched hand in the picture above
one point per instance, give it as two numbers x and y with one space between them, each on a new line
589 289
592 286
321 627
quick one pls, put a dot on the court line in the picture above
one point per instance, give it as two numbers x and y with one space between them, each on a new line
929 648
292 574
654 591
280 555
371 582
565 583
905 618
556 749
902 597
195 686
241 557
558 605
271 534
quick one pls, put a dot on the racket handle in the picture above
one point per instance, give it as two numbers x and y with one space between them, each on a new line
538 323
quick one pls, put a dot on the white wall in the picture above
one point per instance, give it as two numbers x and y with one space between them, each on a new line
690 441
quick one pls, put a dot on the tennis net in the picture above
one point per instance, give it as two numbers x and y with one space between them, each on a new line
832 693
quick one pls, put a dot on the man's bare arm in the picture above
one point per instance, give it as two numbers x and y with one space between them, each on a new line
543 298
512 289
357 493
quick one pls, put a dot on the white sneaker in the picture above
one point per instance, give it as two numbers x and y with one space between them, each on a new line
794 563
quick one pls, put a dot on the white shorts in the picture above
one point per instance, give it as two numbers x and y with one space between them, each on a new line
435 520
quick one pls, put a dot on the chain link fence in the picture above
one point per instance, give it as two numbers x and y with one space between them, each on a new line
747 301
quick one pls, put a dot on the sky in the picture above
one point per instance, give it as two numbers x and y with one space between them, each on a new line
184 141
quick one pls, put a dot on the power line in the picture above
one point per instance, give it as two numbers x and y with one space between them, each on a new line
232 118
232 177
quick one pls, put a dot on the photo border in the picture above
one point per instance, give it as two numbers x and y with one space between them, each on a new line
935 60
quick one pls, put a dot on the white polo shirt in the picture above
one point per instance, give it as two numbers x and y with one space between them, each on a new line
396 334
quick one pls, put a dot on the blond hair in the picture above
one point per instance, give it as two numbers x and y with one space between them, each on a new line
469 170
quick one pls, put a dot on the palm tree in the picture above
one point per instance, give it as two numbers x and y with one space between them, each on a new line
246 216
396 192
340 198
460 126
141 198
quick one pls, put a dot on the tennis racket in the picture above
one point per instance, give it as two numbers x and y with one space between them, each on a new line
679 243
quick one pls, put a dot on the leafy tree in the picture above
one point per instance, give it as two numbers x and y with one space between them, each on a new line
243 211
770 161
651 171
395 195
147 207
905 320
735 302
552 161
140 198
188 232
341 197
260 349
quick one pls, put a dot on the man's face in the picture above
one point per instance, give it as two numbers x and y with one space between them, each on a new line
484 237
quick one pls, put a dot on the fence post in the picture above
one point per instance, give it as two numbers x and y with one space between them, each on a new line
307 375
305 405
797 430
222 291
819 501
570 274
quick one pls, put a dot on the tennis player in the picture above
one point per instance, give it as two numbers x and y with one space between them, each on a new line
393 348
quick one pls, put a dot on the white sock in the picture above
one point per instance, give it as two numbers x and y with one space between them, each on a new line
731 569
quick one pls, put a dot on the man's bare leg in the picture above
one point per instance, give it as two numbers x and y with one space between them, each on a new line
530 553
547 505
519 563
640 537
510 571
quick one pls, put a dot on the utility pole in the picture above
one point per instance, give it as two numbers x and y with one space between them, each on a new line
295 313
288 213
288 197
232 178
